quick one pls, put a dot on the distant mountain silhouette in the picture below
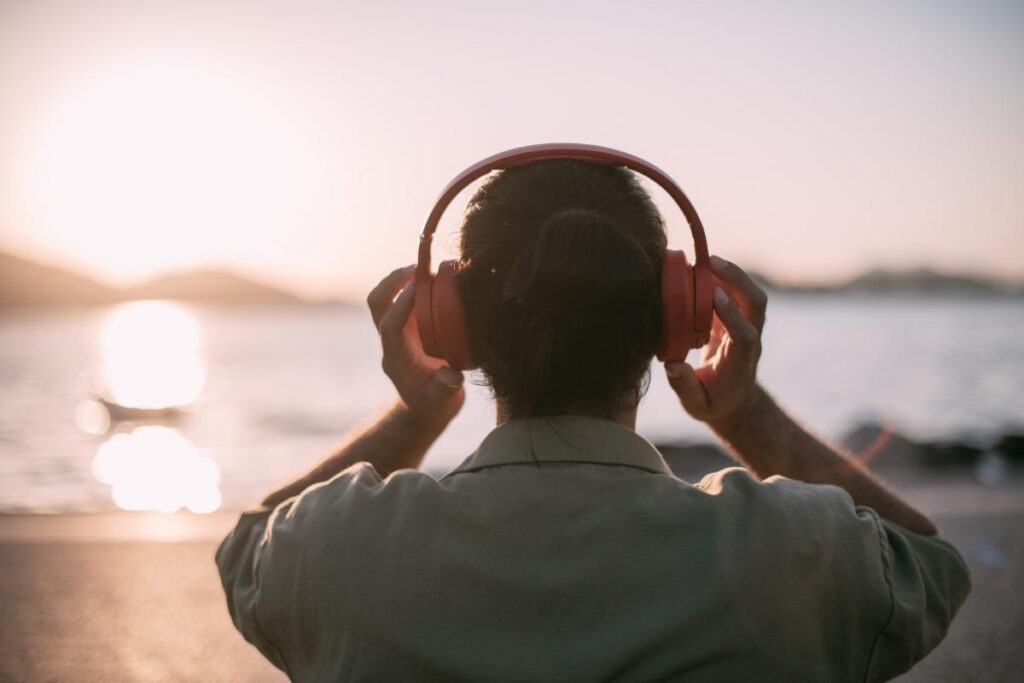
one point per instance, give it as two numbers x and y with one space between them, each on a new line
212 286
24 283
924 281
917 282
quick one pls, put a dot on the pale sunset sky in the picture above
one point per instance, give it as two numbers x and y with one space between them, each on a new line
304 143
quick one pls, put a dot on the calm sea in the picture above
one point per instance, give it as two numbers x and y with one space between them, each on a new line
274 389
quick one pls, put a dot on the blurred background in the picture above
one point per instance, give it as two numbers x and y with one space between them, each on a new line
195 199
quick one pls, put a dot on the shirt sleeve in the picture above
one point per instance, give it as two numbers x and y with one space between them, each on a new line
927 581
901 589
268 560
238 559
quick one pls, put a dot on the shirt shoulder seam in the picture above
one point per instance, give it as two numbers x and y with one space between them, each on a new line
541 463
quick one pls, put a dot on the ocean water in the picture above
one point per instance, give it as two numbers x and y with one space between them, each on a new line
273 390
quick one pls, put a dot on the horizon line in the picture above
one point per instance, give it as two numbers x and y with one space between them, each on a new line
766 276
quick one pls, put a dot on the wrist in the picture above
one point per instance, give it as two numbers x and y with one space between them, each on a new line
754 403
417 424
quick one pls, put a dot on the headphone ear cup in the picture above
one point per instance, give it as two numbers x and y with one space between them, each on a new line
448 319
423 311
703 292
677 332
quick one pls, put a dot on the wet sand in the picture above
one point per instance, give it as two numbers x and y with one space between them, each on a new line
136 597
119 612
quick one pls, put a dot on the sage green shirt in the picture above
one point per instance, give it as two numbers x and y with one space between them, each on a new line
564 549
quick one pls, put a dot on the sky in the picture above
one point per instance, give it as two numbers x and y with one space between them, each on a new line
304 143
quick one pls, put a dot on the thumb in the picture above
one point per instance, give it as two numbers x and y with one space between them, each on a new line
449 378
684 381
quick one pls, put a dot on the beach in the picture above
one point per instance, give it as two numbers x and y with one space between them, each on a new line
235 240
120 596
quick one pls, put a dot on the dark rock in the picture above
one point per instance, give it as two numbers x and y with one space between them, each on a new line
1011 446
881 449
950 454
690 462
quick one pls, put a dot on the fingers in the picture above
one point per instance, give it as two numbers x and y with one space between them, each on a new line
752 298
432 391
684 381
393 340
742 334
392 323
379 300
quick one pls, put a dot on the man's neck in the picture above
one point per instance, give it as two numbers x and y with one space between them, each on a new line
624 419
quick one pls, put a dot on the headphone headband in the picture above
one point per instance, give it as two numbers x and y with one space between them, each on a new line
594 153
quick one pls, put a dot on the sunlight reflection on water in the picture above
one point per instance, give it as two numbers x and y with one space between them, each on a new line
282 386
152 355
157 468
152 359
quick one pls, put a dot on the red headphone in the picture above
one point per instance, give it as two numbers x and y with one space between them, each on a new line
685 291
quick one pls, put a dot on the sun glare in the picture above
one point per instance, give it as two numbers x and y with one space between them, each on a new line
159 165
156 468
152 355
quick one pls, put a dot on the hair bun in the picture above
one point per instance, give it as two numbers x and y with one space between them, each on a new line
576 265
585 289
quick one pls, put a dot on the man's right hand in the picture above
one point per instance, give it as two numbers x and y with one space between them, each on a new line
430 389
723 386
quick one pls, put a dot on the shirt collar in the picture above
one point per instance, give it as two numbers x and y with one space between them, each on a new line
564 439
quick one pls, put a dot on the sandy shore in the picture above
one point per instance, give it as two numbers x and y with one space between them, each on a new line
135 597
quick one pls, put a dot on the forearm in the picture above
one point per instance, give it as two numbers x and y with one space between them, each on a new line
395 440
768 441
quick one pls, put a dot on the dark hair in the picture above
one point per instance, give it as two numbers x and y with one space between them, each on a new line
560 276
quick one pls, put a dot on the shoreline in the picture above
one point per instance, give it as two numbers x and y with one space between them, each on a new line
943 502
945 496
924 470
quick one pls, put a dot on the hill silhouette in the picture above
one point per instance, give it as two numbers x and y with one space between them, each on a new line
213 286
25 283
915 282
923 281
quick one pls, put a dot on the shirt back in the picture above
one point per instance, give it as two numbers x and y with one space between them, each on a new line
564 549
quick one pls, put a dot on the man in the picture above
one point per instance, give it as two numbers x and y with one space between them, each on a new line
563 548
